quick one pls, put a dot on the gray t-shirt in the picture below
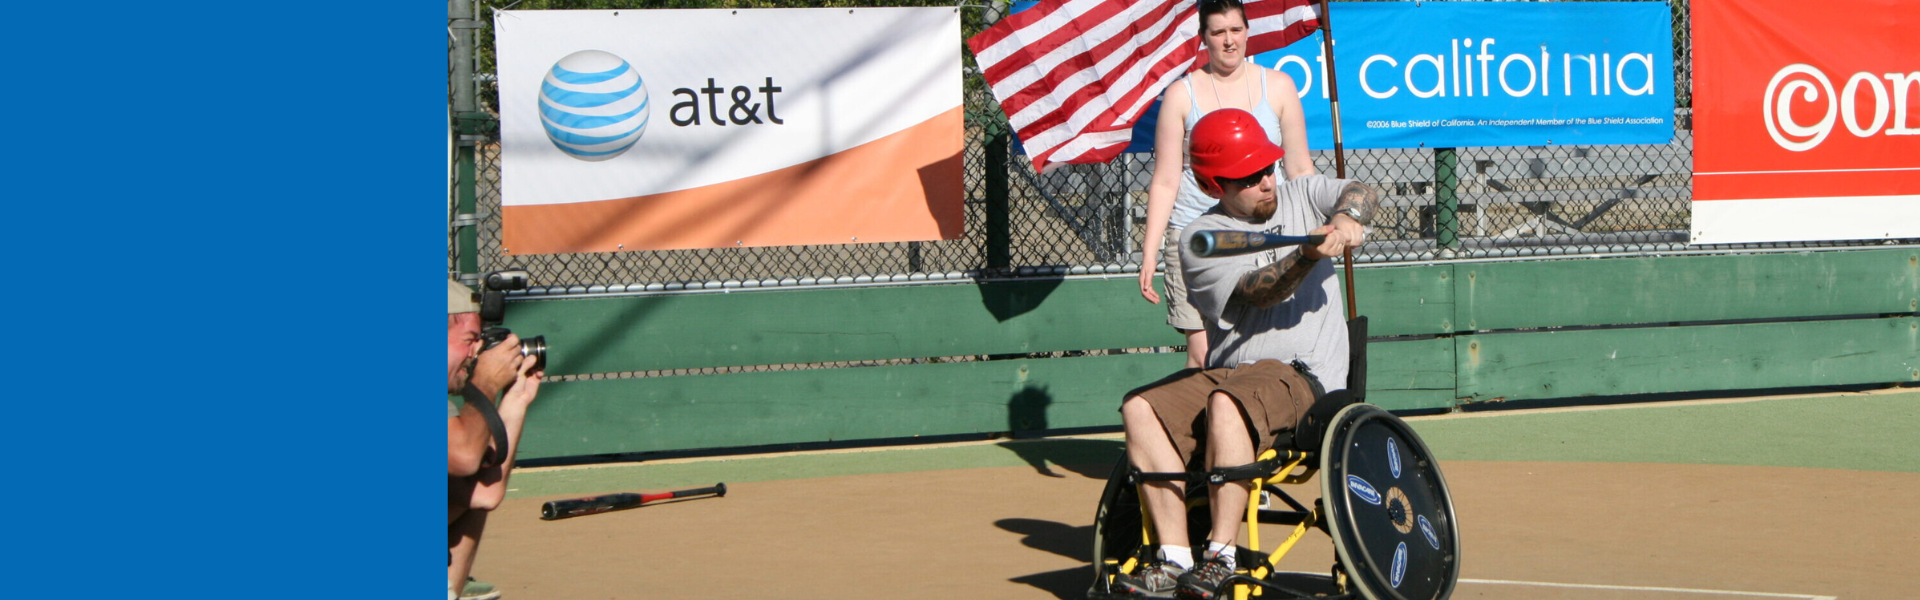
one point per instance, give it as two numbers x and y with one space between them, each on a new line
1309 327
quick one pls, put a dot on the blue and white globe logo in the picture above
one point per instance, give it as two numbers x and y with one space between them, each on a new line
593 105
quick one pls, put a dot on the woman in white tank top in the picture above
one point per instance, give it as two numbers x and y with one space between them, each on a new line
1228 80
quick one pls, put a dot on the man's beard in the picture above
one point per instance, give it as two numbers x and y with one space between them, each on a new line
1263 211
462 375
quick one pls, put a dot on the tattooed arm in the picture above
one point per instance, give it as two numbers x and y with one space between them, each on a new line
1269 285
1354 210
1274 283
1362 198
1352 214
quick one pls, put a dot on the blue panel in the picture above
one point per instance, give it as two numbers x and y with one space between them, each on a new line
1435 49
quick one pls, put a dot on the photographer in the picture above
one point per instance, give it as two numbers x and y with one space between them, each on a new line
498 384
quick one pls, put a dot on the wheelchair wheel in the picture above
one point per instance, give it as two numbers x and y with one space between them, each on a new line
1116 529
1387 508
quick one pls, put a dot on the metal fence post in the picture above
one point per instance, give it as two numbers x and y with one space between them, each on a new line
999 234
999 230
1446 206
466 223
466 219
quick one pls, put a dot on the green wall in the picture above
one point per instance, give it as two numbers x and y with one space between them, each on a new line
1443 334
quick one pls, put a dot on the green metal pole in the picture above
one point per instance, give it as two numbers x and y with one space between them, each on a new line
999 231
1446 209
999 228
467 196
466 112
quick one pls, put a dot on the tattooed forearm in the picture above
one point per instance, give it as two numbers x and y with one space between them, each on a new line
1268 285
1362 198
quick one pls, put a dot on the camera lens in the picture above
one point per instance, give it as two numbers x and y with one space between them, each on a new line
536 348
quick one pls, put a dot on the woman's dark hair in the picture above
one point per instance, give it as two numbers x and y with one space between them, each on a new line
1209 8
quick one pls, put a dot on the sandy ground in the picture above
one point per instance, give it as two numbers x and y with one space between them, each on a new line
1529 530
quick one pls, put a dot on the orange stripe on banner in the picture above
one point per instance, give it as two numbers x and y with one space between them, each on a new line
903 187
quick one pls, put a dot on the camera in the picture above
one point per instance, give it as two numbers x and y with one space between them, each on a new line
534 347
493 295
493 309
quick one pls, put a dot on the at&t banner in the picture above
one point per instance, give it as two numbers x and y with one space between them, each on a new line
1806 120
673 129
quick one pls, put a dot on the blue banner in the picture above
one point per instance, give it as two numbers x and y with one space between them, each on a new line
1458 74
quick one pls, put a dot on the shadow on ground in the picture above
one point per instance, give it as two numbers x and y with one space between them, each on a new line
1062 539
1093 459
1077 543
1065 584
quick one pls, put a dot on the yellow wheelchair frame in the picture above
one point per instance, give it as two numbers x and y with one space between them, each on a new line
1295 469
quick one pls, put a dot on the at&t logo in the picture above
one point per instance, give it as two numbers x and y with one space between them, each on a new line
593 105
1815 91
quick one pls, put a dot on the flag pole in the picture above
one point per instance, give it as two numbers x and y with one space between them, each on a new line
1339 149
1333 90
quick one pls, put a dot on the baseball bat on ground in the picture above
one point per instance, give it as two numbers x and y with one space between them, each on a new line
561 509
1227 242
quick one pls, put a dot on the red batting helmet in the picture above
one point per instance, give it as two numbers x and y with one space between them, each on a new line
1229 143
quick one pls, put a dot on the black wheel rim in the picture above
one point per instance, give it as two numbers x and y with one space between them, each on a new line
1388 508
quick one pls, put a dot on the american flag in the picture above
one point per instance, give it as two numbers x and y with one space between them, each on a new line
1074 75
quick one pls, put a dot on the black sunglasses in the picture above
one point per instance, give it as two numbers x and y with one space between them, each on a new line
1248 181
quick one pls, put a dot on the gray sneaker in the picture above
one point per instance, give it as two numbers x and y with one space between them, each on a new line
1203 582
479 590
1154 579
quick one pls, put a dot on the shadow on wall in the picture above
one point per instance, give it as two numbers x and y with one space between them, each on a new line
1027 417
1027 410
943 184
1009 299
1027 414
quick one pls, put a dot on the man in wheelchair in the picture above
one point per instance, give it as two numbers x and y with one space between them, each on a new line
1276 335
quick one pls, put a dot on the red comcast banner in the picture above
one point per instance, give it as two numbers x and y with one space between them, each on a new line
1806 120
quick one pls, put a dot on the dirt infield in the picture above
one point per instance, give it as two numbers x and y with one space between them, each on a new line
1631 531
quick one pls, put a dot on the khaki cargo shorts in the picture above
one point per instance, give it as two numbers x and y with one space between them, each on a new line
1274 395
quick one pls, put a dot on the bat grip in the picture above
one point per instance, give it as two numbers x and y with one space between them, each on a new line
718 489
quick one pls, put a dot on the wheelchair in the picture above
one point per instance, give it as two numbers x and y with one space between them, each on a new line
1383 503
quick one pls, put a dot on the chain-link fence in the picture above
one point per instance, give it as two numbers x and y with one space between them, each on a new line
1089 219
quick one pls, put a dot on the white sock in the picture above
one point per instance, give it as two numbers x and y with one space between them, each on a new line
1223 551
1179 556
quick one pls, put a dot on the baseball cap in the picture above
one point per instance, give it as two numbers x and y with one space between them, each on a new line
461 299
